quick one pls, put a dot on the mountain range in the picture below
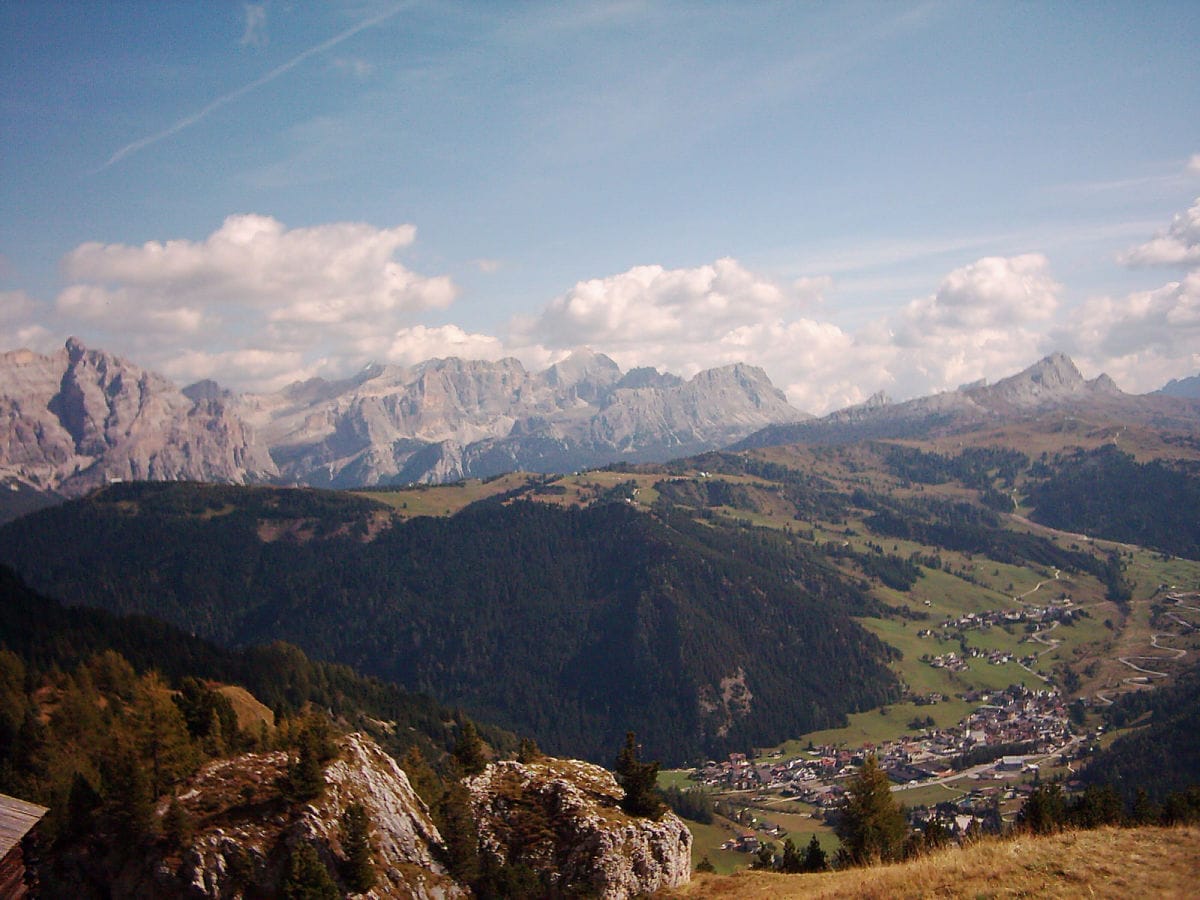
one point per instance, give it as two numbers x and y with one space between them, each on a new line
80 418
1053 384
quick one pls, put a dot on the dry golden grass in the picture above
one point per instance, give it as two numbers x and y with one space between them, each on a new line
251 712
1108 862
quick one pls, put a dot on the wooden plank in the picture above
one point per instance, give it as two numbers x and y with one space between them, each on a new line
17 819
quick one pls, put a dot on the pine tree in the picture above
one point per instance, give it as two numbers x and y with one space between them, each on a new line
178 827
457 825
161 734
1044 811
82 803
1144 811
305 778
815 859
529 751
356 842
307 878
421 776
872 827
128 800
639 780
468 752
792 861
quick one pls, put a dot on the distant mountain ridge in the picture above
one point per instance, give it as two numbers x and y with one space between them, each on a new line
1182 387
1053 384
80 418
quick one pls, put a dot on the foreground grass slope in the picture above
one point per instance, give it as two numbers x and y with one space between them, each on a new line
1107 862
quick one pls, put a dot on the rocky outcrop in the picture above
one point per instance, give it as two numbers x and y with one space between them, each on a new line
246 831
563 818
559 818
80 418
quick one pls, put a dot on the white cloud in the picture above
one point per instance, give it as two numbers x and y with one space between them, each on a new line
1147 337
650 303
686 320
258 305
992 292
331 295
1178 244
1141 340
359 68
413 345
254 33
18 325
262 369
1194 163
985 319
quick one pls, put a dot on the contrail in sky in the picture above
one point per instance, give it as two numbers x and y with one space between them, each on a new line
189 121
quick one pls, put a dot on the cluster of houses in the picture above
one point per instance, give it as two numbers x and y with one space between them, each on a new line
1059 611
1037 720
957 662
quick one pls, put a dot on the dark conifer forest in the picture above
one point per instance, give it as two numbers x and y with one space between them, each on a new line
569 625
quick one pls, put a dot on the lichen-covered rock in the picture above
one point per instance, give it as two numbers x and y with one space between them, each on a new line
562 818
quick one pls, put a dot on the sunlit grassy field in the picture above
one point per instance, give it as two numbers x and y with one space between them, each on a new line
1106 863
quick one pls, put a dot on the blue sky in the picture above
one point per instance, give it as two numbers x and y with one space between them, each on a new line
896 196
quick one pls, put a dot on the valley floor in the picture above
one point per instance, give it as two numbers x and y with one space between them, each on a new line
1107 862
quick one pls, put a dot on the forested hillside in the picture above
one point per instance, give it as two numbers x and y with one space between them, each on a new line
1163 755
47 637
1109 493
570 625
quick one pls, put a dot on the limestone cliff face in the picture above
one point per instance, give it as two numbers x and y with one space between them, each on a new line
562 817
74 420
451 418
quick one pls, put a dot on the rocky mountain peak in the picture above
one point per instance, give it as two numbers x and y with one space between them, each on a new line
1054 379
582 364
1057 369
74 420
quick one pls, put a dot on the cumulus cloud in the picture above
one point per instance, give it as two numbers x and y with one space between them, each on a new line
256 305
686 320
412 345
1178 244
992 292
1144 339
1194 163
650 303
329 294
985 318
